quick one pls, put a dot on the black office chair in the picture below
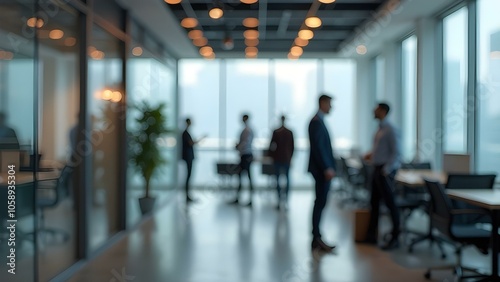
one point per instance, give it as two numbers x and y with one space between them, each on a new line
443 218
470 181
357 180
50 194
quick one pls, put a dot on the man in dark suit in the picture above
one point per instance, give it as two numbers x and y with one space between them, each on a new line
281 151
321 166
188 156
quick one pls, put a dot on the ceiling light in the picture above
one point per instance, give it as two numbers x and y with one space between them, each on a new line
292 57
252 42
173 1
251 22
216 13
116 96
306 34
248 1
137 51
296 51
313 22
251 51
210 57
202 41
32 21
56 34
326 1
195 33
361 49
251 34
189 23
70 41
206 50
250 56
107 95
301 42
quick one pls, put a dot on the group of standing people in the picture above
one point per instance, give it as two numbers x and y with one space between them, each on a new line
384 156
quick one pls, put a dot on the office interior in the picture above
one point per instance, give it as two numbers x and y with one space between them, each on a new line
72 73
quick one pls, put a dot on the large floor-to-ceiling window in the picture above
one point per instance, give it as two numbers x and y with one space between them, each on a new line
409 99
214 94
488 86
455 82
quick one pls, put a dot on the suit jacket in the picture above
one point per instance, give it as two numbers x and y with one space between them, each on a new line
187 146
321 152
282 145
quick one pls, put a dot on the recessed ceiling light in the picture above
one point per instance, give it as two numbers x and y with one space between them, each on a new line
70 41
313 22
216 13
56 34
206 50
189 23
31 22
306 34
137 51
301 42
292 57
296 51
326 1
202 41
251 34
361 49
195 33
251 22
248 1
173 1
251 42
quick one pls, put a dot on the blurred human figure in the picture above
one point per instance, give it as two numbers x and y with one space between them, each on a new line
321 166
281 151
188 156
385 157
8 137
244 147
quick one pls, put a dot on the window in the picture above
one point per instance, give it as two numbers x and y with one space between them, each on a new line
455 82
488 85
409 86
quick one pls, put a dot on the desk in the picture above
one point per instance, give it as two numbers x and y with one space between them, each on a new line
488 199
27 177
415 177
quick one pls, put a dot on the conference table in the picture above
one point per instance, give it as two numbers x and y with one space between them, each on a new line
488 199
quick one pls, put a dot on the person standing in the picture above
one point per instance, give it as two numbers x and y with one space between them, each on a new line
244 147
321 166
281 151
188 156
385 157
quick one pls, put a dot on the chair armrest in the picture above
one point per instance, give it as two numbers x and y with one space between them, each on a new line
469 211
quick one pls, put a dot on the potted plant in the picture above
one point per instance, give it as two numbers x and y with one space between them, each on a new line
144 149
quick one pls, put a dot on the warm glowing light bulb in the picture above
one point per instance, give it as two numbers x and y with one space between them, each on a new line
173 1
361 49
313 22
31 22
251 22
326 1
189 22
202 41
296 51
292 57
251 34
107 95
70 41
195 33
216 13
251 42
306 34
206 50
116 96
248 1
56 34
137 51
301 42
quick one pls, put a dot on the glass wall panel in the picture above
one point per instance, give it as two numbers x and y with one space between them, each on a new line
58 125
454 82
151 81
104 86
488 85
17 89
409 86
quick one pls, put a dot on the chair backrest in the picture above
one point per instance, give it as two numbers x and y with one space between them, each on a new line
424 165
441 207
456 163
63 183
470 181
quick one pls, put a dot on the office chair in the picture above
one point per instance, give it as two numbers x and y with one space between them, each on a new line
470 181
357 179
443 218
50 194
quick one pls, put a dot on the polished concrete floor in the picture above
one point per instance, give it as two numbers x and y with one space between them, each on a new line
212 241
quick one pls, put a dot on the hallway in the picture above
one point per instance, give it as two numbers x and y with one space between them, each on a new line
212 241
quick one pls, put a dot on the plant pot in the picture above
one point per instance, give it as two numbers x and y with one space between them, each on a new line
146 204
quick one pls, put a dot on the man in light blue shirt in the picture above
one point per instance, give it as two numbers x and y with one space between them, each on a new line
244 147
385 157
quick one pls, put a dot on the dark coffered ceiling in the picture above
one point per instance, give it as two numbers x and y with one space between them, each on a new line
279 22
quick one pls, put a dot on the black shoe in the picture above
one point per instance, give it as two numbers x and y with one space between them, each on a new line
391 245
234 202
318 244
